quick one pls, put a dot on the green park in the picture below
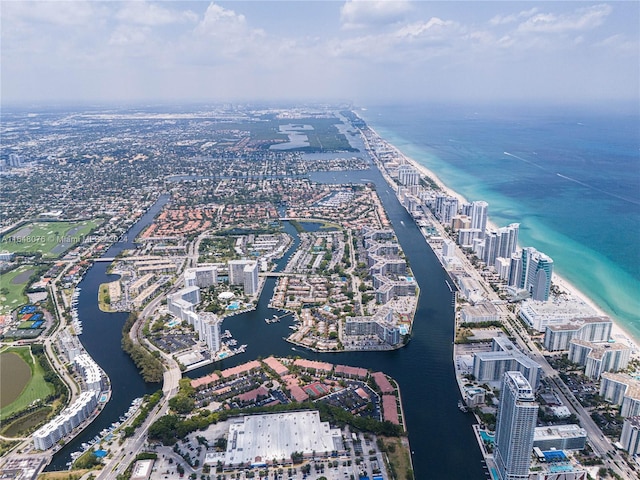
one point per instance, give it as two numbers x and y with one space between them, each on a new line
22 381
12 287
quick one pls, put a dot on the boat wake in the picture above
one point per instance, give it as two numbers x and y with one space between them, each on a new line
586 185
524 160
597 189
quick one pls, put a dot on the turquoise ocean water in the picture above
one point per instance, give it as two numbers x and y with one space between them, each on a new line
570 177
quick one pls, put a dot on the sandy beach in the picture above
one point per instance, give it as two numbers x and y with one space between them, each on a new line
617 332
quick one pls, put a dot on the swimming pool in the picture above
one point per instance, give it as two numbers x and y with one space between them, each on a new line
486 437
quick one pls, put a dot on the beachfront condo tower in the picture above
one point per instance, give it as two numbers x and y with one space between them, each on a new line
515 426
479 215
537 269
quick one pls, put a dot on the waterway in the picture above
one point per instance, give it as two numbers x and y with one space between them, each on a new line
101 336
441 436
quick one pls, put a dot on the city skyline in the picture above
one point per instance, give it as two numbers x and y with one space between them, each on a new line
362 51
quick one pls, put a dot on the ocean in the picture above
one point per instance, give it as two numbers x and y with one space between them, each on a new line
569 176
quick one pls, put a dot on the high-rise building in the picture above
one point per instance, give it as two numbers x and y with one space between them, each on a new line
210 330
236 271
515 427
630 437
503 265
407 175
500 244
448 248
490 248
515 270
507 240
466 236
479 216
14 160
446 208
250 278
537 269
202 276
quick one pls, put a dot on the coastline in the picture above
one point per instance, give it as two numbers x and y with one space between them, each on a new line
617 331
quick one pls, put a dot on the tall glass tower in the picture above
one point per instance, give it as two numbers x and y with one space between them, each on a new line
537 269
515 424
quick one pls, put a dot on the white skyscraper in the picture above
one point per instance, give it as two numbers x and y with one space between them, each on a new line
236 271
479 215
507 240
490 250
630 437
251 278
515 426
407 175
211 331
515 270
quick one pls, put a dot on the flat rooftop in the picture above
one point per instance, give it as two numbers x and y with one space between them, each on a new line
257 439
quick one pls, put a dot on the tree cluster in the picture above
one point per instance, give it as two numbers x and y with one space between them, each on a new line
150 367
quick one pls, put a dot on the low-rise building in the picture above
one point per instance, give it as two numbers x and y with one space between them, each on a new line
560 437
591 329
478 313
505 357
558 311
258 439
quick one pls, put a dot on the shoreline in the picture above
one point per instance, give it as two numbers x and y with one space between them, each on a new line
617 331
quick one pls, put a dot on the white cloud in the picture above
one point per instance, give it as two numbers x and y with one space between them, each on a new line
434 28
144 13
223 34
505 19
580 20
219 21
68 14
620 43
362 13
127 35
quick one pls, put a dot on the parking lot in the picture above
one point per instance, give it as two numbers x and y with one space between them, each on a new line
364 460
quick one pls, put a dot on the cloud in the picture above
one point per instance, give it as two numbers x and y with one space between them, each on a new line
620 43
127 35
505 19
67 14
580 20
362 13
223 33
144 13
434 28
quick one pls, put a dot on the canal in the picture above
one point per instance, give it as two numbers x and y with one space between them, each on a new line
442 441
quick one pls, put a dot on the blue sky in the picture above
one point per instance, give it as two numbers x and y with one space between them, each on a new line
356 50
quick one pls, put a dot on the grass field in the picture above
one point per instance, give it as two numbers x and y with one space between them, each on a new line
36 389
51 239
12 285
63 475
397 451
103 295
